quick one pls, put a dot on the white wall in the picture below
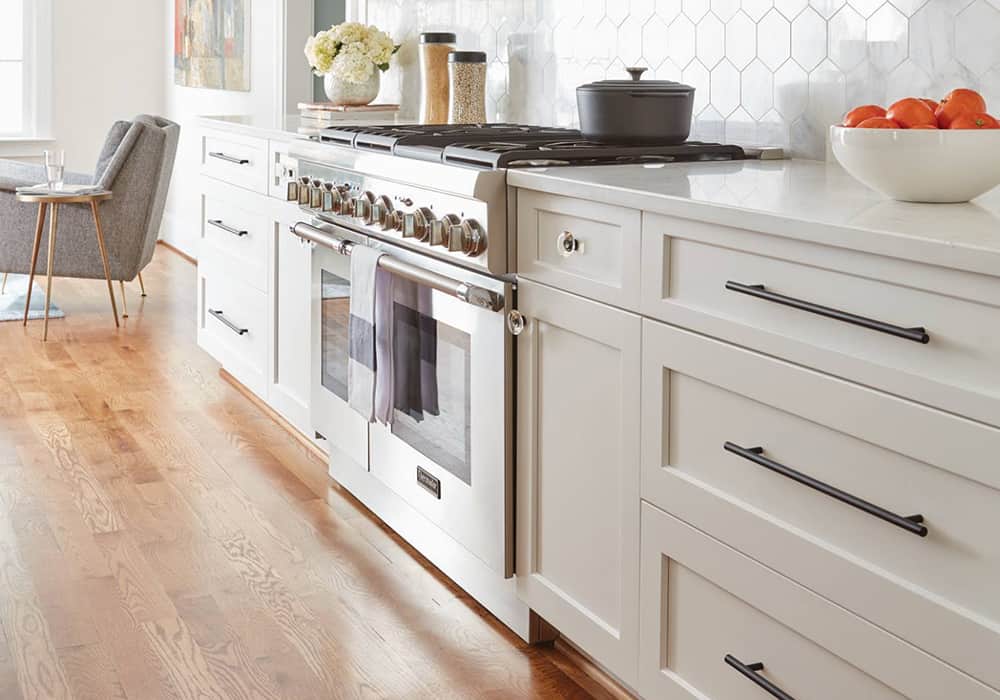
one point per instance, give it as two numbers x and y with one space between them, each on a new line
107 58
270 96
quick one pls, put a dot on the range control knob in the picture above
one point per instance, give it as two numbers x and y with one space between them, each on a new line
303 190
473 238
441 229
417 224
316 194
363 207
395 222
382 213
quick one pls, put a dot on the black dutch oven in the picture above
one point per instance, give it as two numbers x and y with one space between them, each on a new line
635 111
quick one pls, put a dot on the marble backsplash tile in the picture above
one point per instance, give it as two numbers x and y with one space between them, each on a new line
766 71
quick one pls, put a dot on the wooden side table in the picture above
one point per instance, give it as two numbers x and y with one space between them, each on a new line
54 199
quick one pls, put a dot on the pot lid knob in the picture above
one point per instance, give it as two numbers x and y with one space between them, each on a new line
636 72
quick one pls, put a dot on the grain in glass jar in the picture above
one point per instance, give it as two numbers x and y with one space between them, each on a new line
468 87
435 82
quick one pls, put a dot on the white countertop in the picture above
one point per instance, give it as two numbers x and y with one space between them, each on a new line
808 200
289 126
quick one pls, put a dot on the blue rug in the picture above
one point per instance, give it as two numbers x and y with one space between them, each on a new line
12 300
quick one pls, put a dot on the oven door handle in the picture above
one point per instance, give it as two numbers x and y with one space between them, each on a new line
470 294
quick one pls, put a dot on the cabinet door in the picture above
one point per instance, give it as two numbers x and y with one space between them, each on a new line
578 471
291 301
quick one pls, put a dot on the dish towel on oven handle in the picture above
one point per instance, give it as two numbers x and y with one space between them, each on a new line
366 277
414 351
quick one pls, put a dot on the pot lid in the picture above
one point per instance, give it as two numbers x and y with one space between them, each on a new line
635 84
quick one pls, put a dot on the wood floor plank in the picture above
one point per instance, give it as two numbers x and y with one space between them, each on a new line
182 658
89 497
39 671
200 550
91 673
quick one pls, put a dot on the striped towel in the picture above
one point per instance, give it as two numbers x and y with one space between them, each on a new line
366 277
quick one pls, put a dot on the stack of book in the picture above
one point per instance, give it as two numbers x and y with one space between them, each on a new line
319 115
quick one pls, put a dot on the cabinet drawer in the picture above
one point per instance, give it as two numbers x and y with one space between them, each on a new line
233 326
705 608
237 233
706 278
579 246
707 404
236 159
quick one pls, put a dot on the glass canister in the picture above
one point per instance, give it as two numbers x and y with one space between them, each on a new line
434 99
468 87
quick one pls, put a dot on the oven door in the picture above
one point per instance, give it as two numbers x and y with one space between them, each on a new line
345 432
449 450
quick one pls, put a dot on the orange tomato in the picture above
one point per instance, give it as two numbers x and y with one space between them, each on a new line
933 104
956 103
911 112
859 114
878 123
925 126
974 120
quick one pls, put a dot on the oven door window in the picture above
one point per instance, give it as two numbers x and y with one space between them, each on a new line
336 312
432 382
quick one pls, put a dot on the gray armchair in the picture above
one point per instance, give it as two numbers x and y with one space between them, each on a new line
135 164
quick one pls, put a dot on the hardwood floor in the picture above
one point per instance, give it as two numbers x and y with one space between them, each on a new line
159 537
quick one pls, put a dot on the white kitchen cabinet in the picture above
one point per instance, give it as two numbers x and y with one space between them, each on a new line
706 609
290 385
578 471
838 310
707 405
580 246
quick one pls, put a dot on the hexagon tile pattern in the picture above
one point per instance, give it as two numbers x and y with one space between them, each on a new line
766 71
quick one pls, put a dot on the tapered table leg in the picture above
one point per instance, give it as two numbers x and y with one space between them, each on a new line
42 207
104 259
53 224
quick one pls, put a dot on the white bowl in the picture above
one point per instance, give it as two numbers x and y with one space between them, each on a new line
921 165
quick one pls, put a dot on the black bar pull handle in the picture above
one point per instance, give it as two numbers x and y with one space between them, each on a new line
917 335
752 671
228 158
910 523
227 323
228 229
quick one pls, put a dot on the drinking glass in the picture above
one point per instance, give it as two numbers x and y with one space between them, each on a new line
55 167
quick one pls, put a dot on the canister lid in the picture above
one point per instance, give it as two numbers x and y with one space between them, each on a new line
467 57
438 38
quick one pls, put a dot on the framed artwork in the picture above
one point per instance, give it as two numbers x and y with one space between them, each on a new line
212 44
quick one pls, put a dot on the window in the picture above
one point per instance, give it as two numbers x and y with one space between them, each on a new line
25 55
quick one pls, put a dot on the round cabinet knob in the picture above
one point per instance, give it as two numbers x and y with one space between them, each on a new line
382 213
473 238
516 322
567 244
441 229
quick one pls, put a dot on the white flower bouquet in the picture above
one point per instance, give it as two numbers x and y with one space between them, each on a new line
350 51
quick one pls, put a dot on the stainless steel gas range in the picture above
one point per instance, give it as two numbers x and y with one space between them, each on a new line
434 200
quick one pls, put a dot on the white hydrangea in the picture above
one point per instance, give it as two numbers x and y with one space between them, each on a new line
351 51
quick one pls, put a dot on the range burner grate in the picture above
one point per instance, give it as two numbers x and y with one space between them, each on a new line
387 138
494 146
555 153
